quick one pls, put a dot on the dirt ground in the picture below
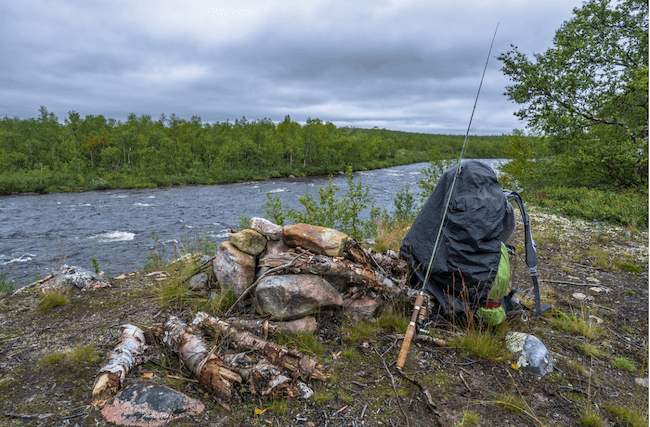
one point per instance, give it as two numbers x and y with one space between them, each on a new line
607 264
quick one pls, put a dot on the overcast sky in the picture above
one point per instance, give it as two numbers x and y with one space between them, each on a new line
409 65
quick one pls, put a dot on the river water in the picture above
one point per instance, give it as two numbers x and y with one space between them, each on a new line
41 233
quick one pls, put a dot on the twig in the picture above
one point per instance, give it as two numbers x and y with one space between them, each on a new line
561 282
394 388
27 417
430 403
200 268
251 287
464 382
38 282
340 410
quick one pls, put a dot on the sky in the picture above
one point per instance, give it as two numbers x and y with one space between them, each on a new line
408 65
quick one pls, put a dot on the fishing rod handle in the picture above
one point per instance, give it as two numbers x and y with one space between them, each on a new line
410 331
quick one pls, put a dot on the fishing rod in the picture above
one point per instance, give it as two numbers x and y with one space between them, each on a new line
410 330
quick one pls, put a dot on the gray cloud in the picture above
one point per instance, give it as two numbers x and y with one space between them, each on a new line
409 65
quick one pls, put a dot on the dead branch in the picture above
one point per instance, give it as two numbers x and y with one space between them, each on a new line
322 265
126 354
427 395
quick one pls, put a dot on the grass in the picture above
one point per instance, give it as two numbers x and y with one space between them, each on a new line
589 417
569 322
512 402
6 286
601 257
390 234
393 318
482 343
51 300
631 415
469 418
590 350
356 332
624 364
305 342
74 357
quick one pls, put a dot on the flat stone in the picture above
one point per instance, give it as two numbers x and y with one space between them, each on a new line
249 241
360 309
320 240
147 404
302 325
579 296
266 228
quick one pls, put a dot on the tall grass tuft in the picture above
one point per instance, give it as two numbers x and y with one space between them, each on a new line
51 300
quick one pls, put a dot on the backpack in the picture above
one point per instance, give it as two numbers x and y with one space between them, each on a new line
470 272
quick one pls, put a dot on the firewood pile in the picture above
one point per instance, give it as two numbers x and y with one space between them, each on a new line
290 274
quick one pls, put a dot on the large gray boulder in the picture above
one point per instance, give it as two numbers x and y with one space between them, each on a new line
295 295
266 228
531 355
320 240
233 269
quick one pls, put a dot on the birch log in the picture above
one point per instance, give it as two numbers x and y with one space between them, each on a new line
127 353
300 365
206 366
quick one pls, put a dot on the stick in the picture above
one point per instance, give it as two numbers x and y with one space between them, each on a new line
430 403
399 402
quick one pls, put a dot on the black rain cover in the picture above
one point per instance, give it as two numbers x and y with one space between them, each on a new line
469 250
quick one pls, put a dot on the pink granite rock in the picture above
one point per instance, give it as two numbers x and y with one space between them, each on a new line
147 404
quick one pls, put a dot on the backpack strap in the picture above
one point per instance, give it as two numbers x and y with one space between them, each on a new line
531 249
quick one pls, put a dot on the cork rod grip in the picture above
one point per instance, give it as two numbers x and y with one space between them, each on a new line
410 331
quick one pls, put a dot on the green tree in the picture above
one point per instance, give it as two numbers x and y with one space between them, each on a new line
588 95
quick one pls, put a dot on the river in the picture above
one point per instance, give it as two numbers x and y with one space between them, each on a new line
118 228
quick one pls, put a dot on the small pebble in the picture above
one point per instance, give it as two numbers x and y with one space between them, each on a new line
579 295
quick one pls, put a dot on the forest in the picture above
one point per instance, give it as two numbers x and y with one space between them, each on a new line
92 152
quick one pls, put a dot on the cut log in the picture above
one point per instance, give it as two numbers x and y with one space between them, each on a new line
126 354
207 367
301 366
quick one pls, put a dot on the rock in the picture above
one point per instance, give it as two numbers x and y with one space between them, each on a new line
199 281
642 382
321 240
531 353
233 269
363 308
275 248
266 228
147 404
72 277
579 296
294 295
305 324
249 241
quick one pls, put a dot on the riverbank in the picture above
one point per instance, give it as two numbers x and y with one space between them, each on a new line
49 358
